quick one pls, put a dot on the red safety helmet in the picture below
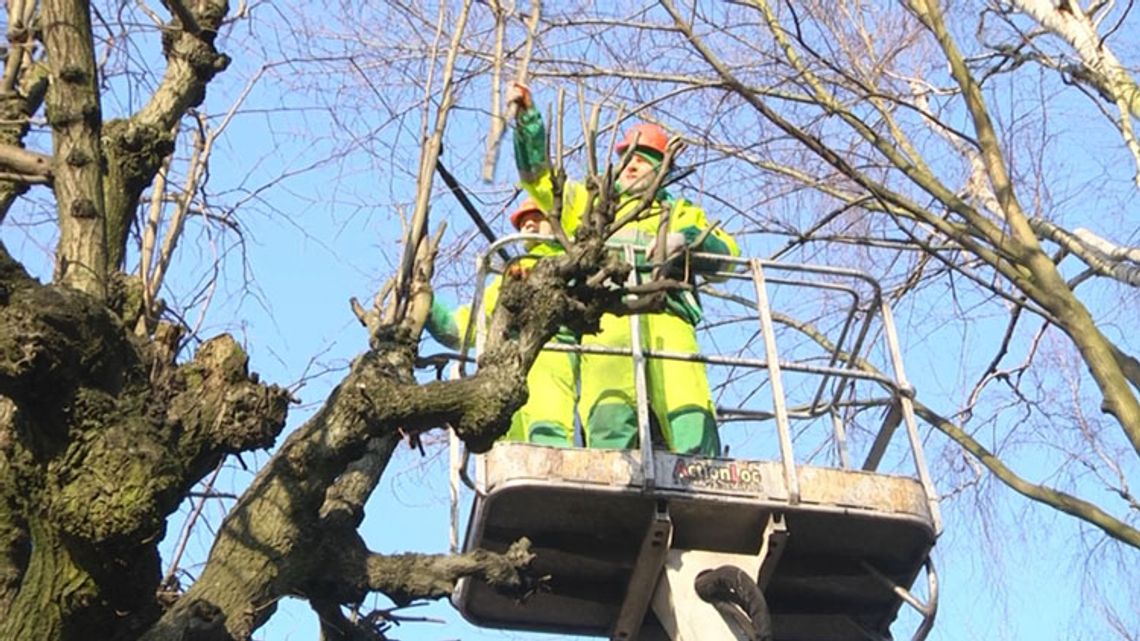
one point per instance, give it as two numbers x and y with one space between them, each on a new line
528 206
648 135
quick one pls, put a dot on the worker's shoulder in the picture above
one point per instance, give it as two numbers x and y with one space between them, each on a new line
545 248
531 116
684 206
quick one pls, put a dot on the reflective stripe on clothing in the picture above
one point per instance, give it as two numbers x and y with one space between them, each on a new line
678 391
547 417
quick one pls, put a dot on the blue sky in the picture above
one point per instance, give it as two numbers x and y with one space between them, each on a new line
329 230
324 241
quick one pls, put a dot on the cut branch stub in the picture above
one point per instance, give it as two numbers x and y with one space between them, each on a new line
407 577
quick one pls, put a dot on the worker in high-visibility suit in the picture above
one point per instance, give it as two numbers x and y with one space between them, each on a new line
547 418
679 394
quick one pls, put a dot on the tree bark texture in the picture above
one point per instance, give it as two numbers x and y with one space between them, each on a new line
75 115
101 437
293 531
102 434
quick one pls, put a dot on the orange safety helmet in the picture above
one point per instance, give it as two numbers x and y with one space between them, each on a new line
648 135
528 206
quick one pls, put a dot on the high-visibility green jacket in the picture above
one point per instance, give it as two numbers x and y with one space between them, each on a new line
685 217
449 326
547 417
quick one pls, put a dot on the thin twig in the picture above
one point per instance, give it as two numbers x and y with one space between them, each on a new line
184 537
498 122
431 151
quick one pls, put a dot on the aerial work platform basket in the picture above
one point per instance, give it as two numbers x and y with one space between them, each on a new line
833 546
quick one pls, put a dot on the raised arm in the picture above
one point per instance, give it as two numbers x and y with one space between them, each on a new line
533 164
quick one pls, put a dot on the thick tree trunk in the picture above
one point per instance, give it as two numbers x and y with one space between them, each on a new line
14 535
75 115
100 439
33 613
69 592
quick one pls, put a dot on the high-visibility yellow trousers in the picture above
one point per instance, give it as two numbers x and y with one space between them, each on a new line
678 391
547 418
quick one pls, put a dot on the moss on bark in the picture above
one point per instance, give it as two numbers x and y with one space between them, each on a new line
101 436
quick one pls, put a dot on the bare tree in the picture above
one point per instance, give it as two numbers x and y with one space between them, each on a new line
835 126
106 429
966 216
918 140
979 158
